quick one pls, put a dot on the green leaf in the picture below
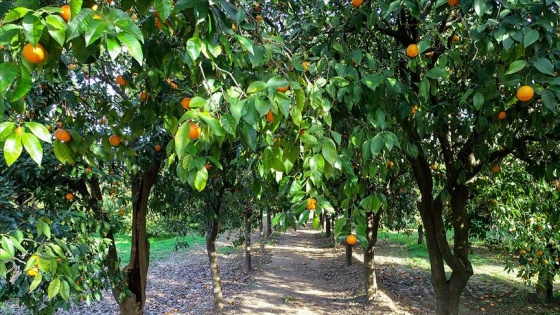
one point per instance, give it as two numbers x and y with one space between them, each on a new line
63 152
8 32
8 245
95 30
39 130
544 66
12 149
8 74
276 81
64 290
246 43
133 46
36 281
437 72
516 66
54 288
33 146
75 6
200 179
338 47
478 100
329 151
228 123
57 28
531 37
15 14
256 87
480 7
373 81
79 24
32 28
126 25
163 8
377 144
317 165
5 255
214 124
23 85
182 139
194 47
113 47
5 129
549 100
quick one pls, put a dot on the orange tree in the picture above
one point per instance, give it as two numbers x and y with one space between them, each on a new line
448 84
125 83
524 213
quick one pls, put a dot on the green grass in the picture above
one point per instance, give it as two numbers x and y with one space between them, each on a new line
160 247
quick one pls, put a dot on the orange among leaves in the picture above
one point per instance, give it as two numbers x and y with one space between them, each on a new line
186 103
62 135
270 117
351 239
495 169
143 96
525 93
115 140
412 50
539 253
455 38
283 88
258 18
311 204
502 115
66 12
194 131
207 166
157 147
357 3
453 2
69 196
305 65
34 54
121 212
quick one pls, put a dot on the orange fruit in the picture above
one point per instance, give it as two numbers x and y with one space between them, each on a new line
34 54
207 166
158 24
186 103
88 170
453 2
390 164
121 212
69 196
522 252
115 140
412 50
283 88
157 147
102 121
258 18
305 65
502 115
357 3
269 117
413 109
143 96
65 14
495 169
434 166
455 38
539 253
63 135
33 272
302 132
194 131
351 239
120 80
311 204
525 93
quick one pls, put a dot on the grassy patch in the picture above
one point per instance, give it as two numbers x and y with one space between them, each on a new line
160 247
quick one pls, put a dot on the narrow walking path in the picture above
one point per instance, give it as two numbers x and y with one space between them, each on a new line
305 275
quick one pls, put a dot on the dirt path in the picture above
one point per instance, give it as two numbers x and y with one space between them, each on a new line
305 275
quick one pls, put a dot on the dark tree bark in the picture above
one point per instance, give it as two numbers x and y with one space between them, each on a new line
211 235
247 216
369 262
261 230
268 223
545 286
322 219
348 256
327 225
420 234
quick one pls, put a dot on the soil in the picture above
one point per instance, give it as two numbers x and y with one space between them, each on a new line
301 272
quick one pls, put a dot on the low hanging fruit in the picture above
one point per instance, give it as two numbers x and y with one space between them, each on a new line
412 50
525 93
186 103
311 204
194 131
351 239
115 140
35 54
62 135
66 12
502 115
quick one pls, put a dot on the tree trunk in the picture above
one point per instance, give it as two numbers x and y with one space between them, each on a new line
261 230
369 262
348 255
322 219
327 225
545 286
211 235
420 234
247 214
268 223
137 269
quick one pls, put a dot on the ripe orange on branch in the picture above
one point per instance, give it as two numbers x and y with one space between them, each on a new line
143 96
62 135
157 147
502 115
65 14
495 169
69 196
194 131
305 65
115 140
351 239
453 2
525 93
283 88
311 204
412 50
269 117
186 103
34 54
121 80
357 3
